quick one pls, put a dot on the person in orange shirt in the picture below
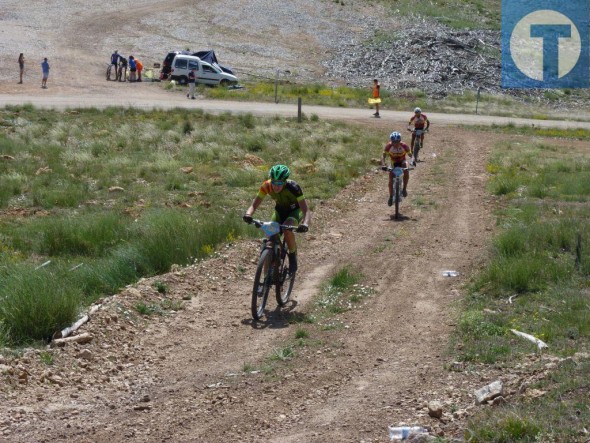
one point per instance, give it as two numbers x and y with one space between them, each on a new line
139 67
376 92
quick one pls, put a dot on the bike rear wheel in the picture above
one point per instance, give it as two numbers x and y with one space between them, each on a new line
417 147
284 284
397 198
262 282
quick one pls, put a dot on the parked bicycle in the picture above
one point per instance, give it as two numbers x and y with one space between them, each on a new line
417 141
398 174
110 72
272 269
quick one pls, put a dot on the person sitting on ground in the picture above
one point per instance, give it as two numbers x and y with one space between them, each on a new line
290 207
397 150
418 121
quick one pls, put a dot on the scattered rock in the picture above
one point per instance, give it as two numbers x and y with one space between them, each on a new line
43 170
86 354
488 392
500 400
435 409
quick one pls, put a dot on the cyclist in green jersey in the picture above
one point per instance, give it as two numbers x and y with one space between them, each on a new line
290 207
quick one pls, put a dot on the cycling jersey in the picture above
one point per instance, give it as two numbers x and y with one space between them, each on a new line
397 153
376 89
285 201
419 121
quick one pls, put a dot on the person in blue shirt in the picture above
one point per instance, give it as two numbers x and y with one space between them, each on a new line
115 59
132 69
45 69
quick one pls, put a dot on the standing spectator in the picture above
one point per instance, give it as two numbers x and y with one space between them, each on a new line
21 65
376 97
192 80
122 72
45 69
115 61
139 66
132 69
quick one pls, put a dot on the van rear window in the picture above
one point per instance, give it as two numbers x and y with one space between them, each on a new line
193 64
180 63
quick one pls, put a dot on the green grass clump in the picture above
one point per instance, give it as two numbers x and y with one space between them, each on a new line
344 278
36 303
540 262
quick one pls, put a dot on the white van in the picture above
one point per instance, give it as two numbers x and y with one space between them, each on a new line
206 73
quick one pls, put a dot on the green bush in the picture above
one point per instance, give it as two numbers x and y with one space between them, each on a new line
36 303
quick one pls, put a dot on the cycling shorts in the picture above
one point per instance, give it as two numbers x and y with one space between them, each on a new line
282 216
402 164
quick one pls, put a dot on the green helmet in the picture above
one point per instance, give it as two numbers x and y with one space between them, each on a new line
279 173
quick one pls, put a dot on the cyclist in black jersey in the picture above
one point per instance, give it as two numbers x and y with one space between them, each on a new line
290 207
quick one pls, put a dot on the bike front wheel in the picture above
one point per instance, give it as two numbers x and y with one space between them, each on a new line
262 282
284 284
398 198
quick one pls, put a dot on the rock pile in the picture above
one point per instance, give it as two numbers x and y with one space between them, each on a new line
425 56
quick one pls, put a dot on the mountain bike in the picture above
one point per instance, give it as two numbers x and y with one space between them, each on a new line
272 269
110 71
122 72
398 174
417 142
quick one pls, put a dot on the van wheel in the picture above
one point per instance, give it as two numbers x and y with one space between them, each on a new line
183 80
224 83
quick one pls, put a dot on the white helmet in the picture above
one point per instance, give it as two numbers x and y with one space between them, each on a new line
417 111
395 136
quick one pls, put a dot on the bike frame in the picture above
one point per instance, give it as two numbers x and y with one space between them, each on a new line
271 268
398 174
418 141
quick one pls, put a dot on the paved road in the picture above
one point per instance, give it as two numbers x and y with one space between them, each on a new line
169 101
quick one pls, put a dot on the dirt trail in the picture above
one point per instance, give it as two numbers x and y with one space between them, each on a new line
180 377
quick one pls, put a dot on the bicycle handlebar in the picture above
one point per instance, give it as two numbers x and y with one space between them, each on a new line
259 223
389 169
420 129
